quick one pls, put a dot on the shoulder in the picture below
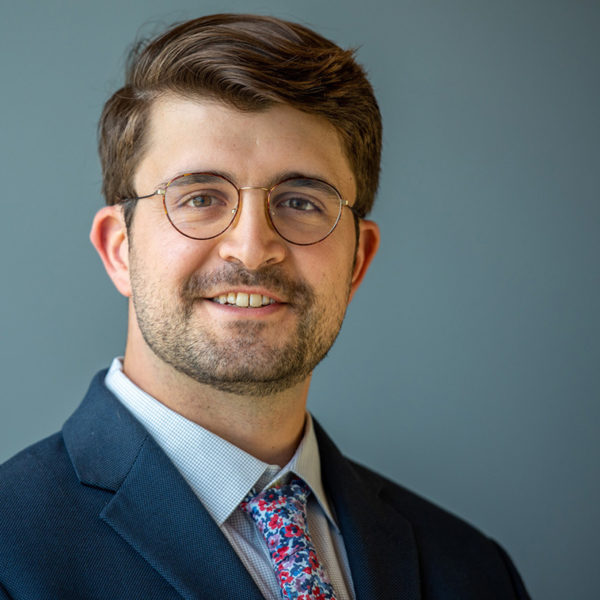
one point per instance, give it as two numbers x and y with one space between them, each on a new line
417 509
38 465
39 484
424 516
449 547
35 494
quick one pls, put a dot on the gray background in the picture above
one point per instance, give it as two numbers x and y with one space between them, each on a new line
467 368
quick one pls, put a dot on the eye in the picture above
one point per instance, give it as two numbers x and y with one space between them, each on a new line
298 203
202 199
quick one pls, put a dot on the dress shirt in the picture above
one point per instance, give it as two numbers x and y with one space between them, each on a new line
221 475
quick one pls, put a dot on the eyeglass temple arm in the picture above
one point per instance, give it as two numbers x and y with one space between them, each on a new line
354 210
159 191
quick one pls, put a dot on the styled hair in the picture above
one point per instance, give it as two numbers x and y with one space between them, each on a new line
251 63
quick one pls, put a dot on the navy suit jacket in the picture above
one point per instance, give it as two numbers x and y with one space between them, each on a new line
98 511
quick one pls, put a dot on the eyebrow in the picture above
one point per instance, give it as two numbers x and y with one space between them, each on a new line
277 178
201 177
311 183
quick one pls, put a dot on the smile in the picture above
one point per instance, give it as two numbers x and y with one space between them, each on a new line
243 300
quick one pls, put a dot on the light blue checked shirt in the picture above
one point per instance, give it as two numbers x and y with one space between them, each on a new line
221 475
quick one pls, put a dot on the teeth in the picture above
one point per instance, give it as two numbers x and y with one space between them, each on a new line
244 300
255 300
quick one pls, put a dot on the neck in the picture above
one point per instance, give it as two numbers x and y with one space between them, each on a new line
267 427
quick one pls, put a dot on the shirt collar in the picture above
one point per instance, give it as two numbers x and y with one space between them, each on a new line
219 473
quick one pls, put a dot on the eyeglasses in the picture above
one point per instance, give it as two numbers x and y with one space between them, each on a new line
202 206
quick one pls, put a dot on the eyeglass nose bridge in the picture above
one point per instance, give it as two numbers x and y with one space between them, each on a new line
236 210
254 187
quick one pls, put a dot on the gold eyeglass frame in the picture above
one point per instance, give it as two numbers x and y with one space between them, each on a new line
162 191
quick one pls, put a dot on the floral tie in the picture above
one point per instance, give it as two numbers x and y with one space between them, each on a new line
280 514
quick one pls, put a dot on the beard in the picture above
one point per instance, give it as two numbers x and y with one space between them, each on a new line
249 359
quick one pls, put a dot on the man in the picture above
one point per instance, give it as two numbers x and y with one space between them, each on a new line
240 160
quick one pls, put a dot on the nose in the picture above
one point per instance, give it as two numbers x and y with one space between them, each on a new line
251 240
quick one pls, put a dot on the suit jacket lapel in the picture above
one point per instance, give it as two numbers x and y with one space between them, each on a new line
153 508
379 541
157 514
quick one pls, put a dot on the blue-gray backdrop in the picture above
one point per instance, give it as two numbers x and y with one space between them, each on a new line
468 367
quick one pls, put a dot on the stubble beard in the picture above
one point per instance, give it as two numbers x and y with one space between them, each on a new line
244 361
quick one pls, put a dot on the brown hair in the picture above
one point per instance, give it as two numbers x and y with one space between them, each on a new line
249 62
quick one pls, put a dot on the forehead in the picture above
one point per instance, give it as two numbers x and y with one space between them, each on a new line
203 135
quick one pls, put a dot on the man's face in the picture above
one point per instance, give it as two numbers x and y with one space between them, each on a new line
175 280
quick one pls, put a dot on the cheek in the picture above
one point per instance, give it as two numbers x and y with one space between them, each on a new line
169 255
329 273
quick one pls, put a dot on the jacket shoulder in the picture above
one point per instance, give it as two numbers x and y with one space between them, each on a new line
37 465
39 484
53 540
445 542
417 509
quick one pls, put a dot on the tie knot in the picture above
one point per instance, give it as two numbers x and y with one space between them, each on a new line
289 498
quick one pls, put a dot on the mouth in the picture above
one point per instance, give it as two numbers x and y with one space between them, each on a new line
244 300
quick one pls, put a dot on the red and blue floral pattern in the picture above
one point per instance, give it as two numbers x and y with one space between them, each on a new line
280 514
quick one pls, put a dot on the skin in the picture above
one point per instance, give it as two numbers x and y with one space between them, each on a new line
156 267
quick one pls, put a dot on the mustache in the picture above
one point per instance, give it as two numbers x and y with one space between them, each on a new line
200 285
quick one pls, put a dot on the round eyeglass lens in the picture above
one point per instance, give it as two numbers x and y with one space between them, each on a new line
201 205
304 211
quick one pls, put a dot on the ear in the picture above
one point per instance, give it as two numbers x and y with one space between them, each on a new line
368 243
109 237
